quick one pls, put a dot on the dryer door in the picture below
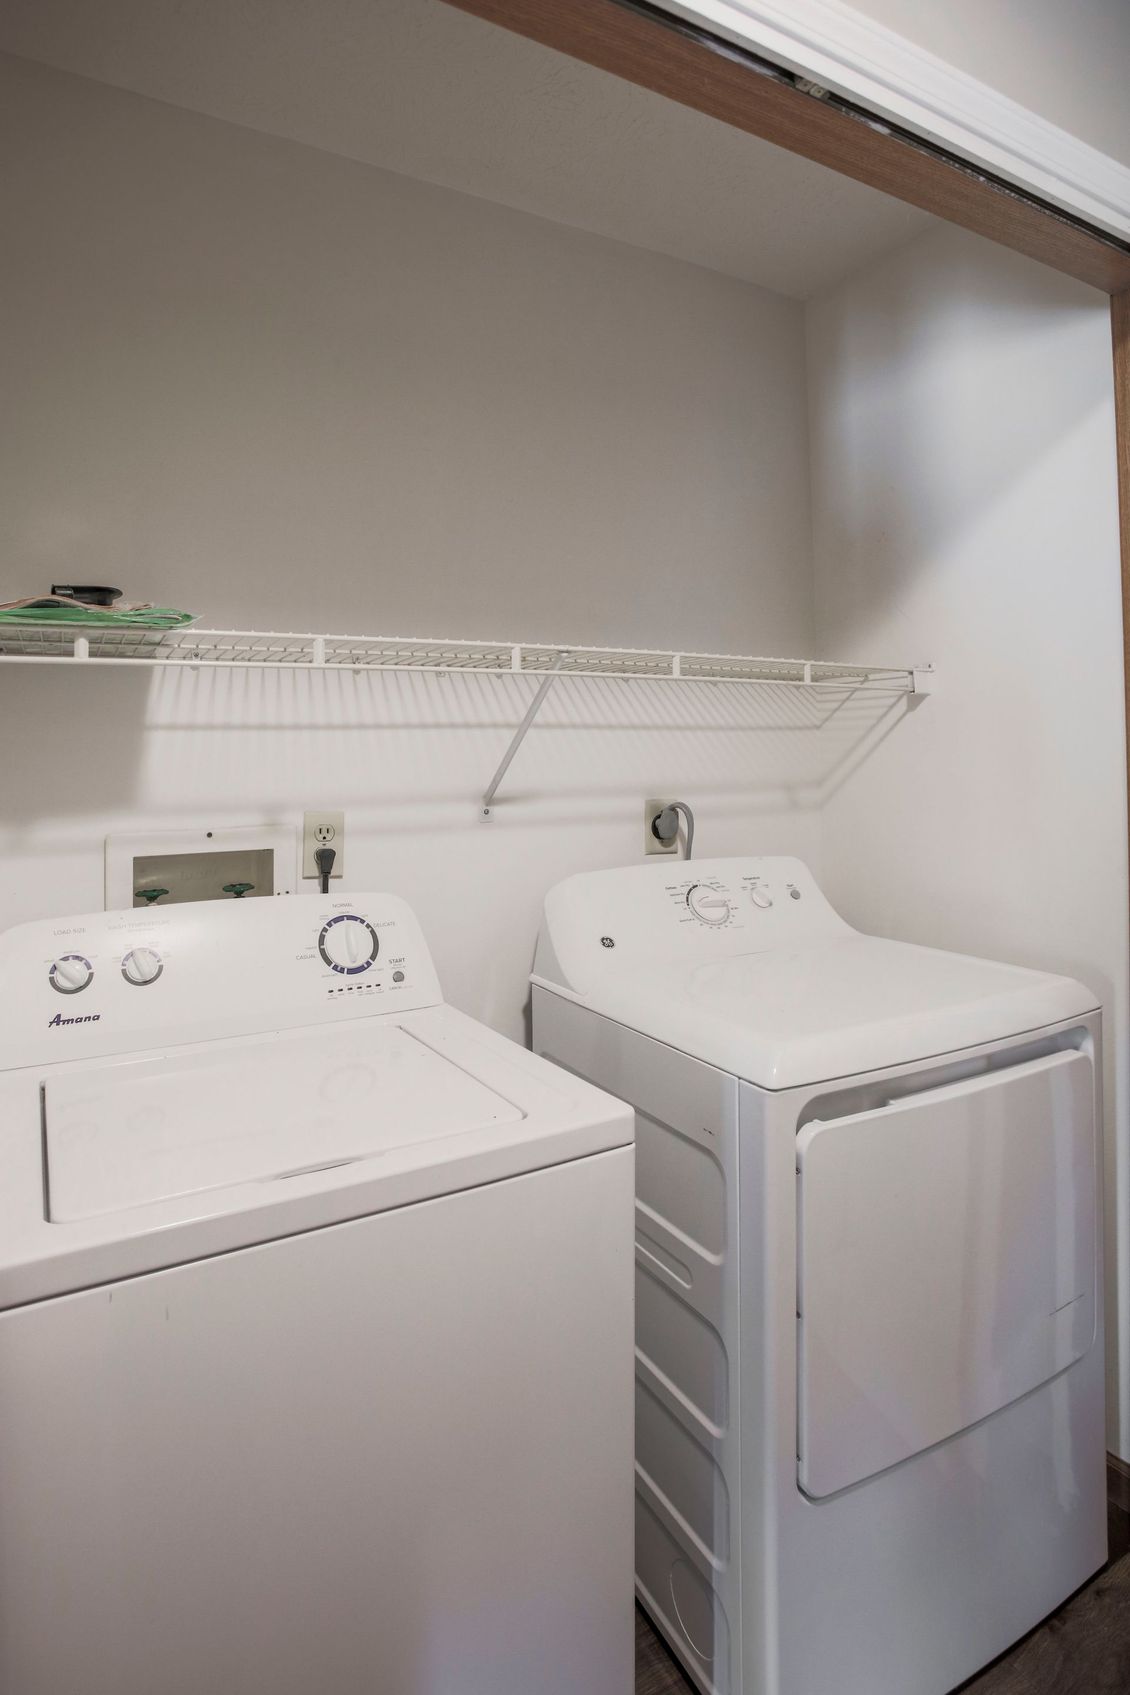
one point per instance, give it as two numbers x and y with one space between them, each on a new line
946 1262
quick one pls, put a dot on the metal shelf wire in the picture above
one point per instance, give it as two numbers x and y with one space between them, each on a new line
86 645
81 643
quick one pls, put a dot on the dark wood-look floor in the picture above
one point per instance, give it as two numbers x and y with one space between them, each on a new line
657 1673
1083 1649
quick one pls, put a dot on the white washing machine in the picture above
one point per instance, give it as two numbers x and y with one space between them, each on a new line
315 1321
869 1440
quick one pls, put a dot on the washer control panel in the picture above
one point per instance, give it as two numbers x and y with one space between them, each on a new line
113 981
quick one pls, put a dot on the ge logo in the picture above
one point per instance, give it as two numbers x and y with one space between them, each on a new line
607 942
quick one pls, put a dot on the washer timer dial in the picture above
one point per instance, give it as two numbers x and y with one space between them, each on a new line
709 905
348 944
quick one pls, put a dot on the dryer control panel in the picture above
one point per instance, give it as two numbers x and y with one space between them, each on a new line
697 910
110 982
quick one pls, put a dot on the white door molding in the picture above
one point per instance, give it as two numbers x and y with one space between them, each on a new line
839 48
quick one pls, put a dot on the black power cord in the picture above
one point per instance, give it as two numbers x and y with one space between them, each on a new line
324 860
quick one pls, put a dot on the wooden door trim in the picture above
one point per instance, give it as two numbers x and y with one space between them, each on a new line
682 62
1120 326
853 54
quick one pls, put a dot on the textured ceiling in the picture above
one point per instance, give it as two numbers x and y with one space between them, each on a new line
415 87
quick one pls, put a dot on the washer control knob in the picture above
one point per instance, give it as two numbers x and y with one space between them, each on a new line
761 897
71 973
709 905
348 944
141 966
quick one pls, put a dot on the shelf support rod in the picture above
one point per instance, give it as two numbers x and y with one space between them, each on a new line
519 735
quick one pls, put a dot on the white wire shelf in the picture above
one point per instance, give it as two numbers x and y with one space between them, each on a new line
71 644
86 645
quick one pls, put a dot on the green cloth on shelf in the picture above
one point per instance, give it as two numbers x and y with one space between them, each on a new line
99 617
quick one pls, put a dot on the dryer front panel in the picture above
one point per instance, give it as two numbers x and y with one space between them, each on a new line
946 1262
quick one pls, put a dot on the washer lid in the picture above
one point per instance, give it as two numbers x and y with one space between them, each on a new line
124 1165
144 1130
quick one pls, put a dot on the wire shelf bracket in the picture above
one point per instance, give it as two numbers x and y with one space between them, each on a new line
519 735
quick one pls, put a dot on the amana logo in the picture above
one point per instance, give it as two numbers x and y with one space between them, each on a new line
89 1018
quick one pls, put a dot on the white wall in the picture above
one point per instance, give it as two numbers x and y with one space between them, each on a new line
289 391
1068 62
966 512
264 378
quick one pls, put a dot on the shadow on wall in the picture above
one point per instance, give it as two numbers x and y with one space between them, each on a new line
944 378
73 744
169 743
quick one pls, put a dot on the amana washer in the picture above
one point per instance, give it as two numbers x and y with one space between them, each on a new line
869 1419
315 1321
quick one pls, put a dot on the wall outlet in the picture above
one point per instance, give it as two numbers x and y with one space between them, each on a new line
651 842
323 829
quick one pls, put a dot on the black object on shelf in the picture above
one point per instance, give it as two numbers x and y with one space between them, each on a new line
90 594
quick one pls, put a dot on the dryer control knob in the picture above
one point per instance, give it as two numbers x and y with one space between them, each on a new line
709 905
141 966
71 973
761 897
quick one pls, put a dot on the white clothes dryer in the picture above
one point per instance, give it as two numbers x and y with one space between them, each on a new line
869 1423
315 1321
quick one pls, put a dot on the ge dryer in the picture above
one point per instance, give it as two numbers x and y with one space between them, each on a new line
869 1420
